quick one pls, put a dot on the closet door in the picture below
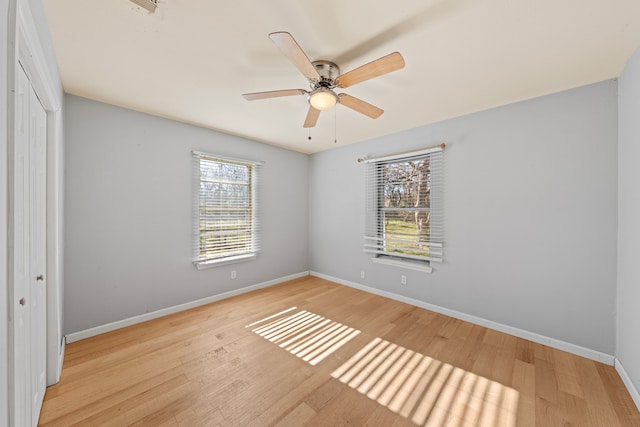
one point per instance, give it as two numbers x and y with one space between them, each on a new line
38 246
28 256
20 255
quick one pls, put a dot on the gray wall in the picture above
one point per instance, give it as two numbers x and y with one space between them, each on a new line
531 216
128 214
628 344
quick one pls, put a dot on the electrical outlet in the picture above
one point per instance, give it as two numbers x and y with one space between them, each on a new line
362 274
233 274
403 279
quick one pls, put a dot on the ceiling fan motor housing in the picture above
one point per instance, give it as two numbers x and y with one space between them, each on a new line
328 72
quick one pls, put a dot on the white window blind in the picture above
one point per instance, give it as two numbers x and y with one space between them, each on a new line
404 215
225 209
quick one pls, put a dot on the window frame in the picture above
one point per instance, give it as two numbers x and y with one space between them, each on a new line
376 232
202 261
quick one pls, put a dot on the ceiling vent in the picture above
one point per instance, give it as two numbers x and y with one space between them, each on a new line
150 5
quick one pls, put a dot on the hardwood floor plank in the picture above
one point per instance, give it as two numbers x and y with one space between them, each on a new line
567 376
300 393
312 352
576 408
525 351
599 406
108 405
619 396
297 417
486 355
524 380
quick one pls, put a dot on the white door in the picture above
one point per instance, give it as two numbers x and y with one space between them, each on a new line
20 311
38 244
28 257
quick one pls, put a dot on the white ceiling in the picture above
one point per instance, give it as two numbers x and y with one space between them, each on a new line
192 59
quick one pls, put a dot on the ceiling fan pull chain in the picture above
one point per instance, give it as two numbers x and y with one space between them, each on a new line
309 134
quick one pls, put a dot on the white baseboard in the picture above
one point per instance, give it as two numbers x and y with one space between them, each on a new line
531 336
87 333
626 379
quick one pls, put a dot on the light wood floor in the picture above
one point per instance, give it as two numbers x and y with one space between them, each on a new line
311 352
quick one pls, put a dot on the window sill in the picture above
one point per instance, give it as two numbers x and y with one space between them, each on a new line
418 266
201 265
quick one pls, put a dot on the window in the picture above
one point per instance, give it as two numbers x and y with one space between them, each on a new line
225 210
404 207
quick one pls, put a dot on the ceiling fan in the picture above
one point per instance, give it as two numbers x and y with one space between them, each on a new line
324 77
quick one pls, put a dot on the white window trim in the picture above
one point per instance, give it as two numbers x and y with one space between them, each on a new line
423 264
201 265
403 154
217 262
406 264
227 158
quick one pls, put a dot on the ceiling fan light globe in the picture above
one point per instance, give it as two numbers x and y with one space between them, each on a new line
323 99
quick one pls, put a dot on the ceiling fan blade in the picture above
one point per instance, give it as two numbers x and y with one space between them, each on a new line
392 62
292 50
312 117
360 106
273 94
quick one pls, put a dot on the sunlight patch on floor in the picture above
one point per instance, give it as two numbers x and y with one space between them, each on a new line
425 390
306 335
